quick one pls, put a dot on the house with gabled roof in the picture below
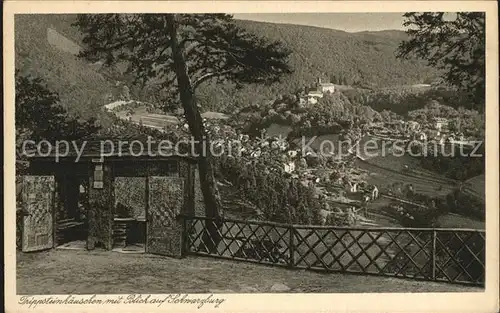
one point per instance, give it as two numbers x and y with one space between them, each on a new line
440 123
319 91
313 96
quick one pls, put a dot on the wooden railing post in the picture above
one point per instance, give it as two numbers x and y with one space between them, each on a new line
433 255
184 235
291 244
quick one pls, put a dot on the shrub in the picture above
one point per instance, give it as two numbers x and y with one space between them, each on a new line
461 203
263 183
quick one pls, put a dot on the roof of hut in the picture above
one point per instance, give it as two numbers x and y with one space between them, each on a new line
112 147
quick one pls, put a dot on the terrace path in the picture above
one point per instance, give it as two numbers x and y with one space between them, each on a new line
105 272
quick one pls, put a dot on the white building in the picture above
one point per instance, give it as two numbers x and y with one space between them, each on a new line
313 96
352 187
440 123
413 126
325 87
420 136
289 167
442 140
321 89
116 104
374 192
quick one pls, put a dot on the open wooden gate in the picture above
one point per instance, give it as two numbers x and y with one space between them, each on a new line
38 222
166 199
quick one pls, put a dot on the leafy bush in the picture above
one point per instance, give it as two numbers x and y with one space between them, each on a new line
424 214
461 203
331 115
365 59
456 167
430 208
402 100
39 114
257 173
279 197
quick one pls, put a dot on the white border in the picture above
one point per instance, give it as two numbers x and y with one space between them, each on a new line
432 302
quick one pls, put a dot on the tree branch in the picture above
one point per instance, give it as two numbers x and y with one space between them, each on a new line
207 76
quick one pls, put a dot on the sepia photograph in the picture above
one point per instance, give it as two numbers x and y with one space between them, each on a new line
200 154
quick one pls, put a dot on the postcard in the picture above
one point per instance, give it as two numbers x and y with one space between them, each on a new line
250 156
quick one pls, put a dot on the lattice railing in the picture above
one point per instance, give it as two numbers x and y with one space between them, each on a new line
451 255
251 241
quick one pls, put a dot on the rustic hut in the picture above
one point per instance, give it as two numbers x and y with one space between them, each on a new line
111 194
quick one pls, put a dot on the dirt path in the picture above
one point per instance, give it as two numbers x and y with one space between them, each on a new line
83 272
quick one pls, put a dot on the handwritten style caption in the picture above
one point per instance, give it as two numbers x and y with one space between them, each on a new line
197 300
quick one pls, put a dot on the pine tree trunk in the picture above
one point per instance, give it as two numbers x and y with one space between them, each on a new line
207 180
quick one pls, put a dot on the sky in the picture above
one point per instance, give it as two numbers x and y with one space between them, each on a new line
350 22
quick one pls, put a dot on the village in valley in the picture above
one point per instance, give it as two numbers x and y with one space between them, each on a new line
344 185
354 161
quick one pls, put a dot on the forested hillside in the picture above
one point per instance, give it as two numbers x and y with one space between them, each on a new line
365 58
81 88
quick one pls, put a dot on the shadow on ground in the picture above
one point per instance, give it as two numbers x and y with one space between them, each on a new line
105 272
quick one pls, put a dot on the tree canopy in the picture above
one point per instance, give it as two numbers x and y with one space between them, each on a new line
177 53
213 46
39 114
456 46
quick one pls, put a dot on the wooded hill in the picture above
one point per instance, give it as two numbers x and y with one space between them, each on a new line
80 86
365 58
